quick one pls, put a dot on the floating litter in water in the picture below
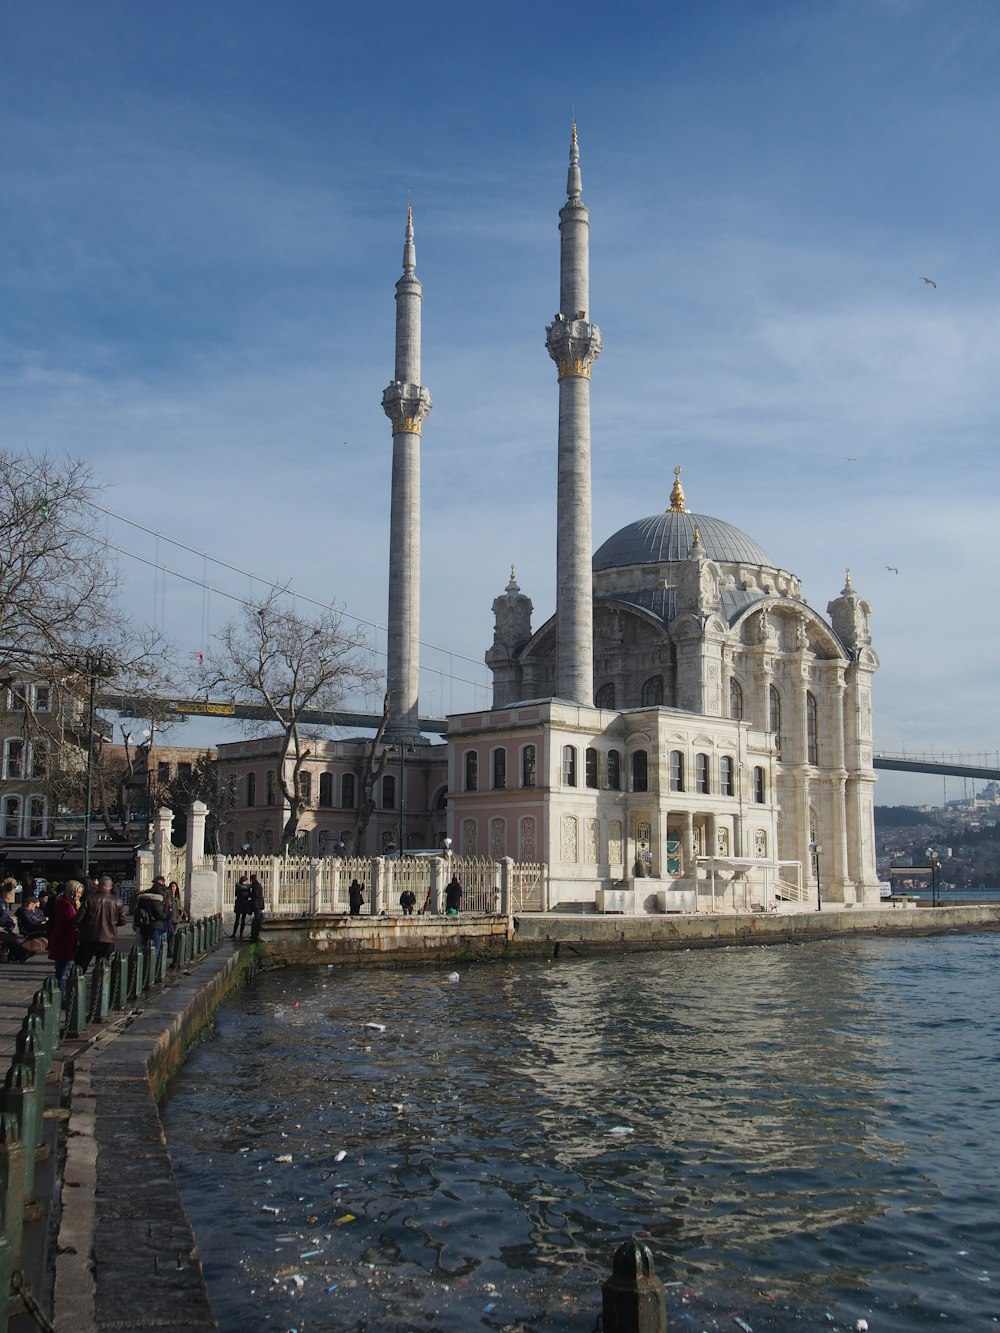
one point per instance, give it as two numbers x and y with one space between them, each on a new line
285 1157
343 1221
376 1027
489 1307
861 1326
742 1323
310 1254
621 1129
333 1285
453 976
341 1155
268 1209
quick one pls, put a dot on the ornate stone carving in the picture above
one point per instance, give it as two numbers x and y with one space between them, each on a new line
407 406
512 616
592 841
850 616
573 344
498 838
722 842
615 850
760 843
527 848
469 841
568 842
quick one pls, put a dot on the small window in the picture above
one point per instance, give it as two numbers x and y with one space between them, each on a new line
251 789
13 758
272 786
812 730
528 766
605 696
305 788
162 773
640 771
702 784
759 786
735 699
17 698
590 767
43 699
774 715
614 770
347 791
326 790
726 772
652 692
39 760
389 792
471 770
12 816
36 817
499 770
569 766
676 771
183 770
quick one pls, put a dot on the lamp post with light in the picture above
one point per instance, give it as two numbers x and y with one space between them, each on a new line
934 861
816 849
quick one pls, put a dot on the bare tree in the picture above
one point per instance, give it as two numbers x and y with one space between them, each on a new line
291 666
376 758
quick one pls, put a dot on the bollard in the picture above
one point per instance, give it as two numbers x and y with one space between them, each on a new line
27 1050
100 992
119 981
76 1002
162 961
19 1097
148 966
633 1298
136 973
11 1187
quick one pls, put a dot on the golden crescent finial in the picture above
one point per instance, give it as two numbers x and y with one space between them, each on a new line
677 505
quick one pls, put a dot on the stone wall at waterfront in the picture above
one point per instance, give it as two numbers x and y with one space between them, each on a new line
378 939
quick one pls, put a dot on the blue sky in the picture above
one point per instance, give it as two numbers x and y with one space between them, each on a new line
202 211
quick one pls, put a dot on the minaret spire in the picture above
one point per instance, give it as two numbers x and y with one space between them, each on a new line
574 344
407 404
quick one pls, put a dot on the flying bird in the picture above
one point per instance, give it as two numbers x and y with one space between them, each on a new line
851 460
892 569
930 282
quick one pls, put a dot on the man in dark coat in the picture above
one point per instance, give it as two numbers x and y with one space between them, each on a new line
355 896
453 895
102 916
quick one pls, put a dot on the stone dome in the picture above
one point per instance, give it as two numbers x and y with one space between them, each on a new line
668 536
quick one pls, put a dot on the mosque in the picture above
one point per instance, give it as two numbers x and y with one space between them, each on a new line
684 733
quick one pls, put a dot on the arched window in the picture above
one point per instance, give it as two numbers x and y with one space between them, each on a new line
347 791
305 788
640 770
726 771
759 786
605 696
614 770
251 789
774 715
36 817
272 786
812 730
652 692
389 792
676 770
471 770
499 769
569 766
590 767
13 758
701 779
528 766
326 790
735 699
12 816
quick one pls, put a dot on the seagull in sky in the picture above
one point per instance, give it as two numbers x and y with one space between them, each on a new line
892 569
851 460
930 282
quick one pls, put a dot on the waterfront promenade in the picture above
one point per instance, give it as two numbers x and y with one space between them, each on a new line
109 1245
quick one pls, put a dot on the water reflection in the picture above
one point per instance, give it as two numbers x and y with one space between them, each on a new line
762 1115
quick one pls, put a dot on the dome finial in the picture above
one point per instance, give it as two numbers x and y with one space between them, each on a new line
848 585
677 505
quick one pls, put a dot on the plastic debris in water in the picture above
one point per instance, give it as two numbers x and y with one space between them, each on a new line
376 1027
339 1157
453 977
742 1323
268 1209
621 1129
861 1325
343 1221
333 1285
285 1157
310 1254
489 1307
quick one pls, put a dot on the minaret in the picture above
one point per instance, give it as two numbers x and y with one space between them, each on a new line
406 404
574 345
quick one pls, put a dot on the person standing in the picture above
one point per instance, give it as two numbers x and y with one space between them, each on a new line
102 916
241 905
62 936
453 896
152 914
256 906
407 901
355 897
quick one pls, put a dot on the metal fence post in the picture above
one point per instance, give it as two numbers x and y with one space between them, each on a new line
19 1098
633 1298
11 1193
77 1002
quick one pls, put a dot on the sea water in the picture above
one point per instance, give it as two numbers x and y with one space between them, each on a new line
804 1136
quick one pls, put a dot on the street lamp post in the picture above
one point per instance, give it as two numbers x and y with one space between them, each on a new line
935 864
95 666
816 849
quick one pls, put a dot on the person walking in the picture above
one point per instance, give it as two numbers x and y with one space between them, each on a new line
355 897
242 905
102 916
152 914
257 907
453 896
62 936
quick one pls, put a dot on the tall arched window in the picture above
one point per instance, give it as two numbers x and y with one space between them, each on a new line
640 770
305 788
812 730
272 786
528 766
347 791
12 817
326 790
13 758
36 817
652 692
774 715
759 786
471 770
701 777
569 765
605 696
726 770
499 769
389 792
614 770
735 699
251 789
590 767
676 770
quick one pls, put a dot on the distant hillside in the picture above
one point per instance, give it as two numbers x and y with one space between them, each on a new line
899 816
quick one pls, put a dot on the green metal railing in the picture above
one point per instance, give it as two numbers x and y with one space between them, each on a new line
113 986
